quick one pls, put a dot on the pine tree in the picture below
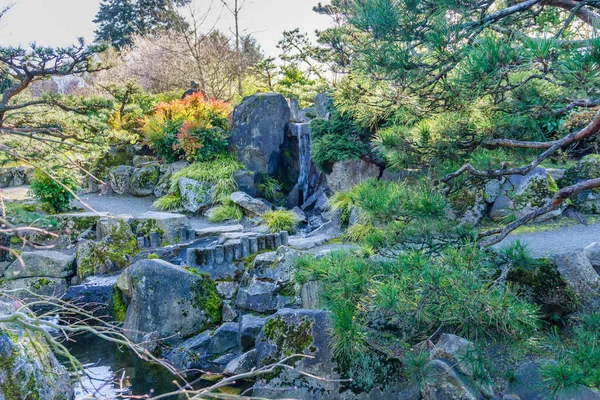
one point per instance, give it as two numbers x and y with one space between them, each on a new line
119 20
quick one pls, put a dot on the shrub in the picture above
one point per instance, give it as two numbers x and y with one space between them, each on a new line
413 295
52 195
194 128
336 139
280 220
217 172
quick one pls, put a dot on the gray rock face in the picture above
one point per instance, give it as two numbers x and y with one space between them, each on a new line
258 130
224 339
143 180
245 182
196 195
282 335
29 369
300 215
168 225
322 104
241 364
50 264
529 385
16 176
252 207
455 349
55 287
250 328
120 177
576 270
162 186
258 297
311 294
346 174
166 299
522 194
593 254
447 384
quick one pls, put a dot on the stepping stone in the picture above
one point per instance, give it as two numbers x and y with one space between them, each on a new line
218 230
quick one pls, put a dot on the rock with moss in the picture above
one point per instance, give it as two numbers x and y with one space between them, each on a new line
78 225
196 196
54 287
588 167
169 226
163 186
143 180
120 177
112 253
522 194
28 368
168 299
45 263
114 156
290 332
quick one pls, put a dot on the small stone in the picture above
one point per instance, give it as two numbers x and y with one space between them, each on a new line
284 238
245 247
219 254
154 239
253 245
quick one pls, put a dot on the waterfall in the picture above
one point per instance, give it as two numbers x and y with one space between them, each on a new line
305 162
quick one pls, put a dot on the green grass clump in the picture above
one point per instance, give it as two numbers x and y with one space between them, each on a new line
217 172
225 212
280 220
170 202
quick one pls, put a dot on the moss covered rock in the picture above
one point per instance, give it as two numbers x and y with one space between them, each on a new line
143 180
522 194
169 300
120 178
46 263
588 167
28 369
196 196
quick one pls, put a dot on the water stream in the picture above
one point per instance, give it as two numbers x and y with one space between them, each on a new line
305 160
105 363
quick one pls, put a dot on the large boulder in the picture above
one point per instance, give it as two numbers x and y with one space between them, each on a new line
258 130
168 300
346 174
196 196
253 207
42 264
297 332
143 180
28 368
244 181
576 270
521 194
120 177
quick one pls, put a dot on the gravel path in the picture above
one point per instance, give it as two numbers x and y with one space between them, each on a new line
559 240
135 206
546 241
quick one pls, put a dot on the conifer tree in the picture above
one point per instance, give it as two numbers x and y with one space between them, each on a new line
119 20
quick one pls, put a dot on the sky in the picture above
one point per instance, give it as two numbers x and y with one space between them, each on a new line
60 22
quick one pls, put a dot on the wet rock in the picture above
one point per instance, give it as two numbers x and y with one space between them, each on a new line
258 130
45 263
195 195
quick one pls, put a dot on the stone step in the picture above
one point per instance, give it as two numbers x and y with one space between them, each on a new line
218 230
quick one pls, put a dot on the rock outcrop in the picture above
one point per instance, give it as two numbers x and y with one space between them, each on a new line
257 131
346 174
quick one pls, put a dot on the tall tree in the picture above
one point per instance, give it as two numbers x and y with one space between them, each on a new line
449 82
119 20
235 8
